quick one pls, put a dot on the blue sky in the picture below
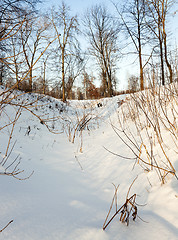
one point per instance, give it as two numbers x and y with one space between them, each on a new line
126 68
78 6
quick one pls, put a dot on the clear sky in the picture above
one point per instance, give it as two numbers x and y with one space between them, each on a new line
78 6
125 68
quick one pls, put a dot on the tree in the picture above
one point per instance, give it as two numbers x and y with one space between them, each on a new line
159 10
32 35
75 64
133 83
15 59
66 28
133 18
90 90
102 33
86 83
12 17
44 82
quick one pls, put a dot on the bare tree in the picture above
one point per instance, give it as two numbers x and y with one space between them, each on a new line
44 81
66 28
102 33
133 19
86 83
133 83
15 60
159 10
32 35
74 66
12 17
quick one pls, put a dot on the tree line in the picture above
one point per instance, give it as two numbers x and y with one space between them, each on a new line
41 52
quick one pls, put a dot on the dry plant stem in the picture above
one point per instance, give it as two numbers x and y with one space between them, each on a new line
81 124
12 163
172 126
6 157
81 142
8 124
114 197
114 128
125 213
43 121
160 143
152 105
18 113
119 210
131 187
116 188
6 226
15 174
121 156
15 171
79 162
128 128
136 145
8 99
137 155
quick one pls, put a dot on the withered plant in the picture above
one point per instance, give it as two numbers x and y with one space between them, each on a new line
148 126
82 119
127 211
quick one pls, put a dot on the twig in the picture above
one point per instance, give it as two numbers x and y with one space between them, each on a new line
6 226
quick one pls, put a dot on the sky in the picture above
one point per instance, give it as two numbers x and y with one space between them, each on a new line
78 6
126 68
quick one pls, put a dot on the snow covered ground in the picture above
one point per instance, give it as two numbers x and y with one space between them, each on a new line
70 192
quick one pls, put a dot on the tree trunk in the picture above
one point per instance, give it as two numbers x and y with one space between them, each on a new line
44 78
109 82
63 78
160 36
1 71
140 63
104 83
166 58
141 73
140 48
16 74
30 80
162 61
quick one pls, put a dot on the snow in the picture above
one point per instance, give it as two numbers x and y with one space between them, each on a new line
70 192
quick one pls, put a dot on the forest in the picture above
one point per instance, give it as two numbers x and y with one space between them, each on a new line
48 52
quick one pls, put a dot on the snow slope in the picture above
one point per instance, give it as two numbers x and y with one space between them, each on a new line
70 192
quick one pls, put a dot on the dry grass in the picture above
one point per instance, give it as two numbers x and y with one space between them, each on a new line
154 113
